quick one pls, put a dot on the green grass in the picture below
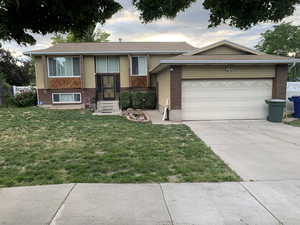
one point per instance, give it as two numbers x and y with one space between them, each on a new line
39 146
295 123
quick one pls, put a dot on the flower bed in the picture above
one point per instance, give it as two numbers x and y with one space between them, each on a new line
136 115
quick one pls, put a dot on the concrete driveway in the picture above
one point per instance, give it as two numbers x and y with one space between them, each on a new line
235 203
256 150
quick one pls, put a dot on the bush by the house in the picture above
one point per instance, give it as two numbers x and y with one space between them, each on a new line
125 100
143 100
24 99
138 100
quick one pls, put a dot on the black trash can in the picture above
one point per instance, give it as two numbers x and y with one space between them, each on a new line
276 109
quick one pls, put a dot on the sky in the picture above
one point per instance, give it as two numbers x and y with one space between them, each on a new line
190 26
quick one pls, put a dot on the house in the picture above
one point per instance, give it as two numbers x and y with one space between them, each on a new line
220 81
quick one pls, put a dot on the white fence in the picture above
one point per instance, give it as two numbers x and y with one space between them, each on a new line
21 89
293 89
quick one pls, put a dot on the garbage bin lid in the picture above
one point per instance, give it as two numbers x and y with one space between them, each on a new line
276 100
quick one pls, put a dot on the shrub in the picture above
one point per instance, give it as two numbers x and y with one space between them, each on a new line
25 99
143 100
125 100
138 100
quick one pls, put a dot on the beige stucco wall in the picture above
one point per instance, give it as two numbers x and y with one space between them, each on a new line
124 71
89 72
236 71
154 60
223 50
39 71
163 80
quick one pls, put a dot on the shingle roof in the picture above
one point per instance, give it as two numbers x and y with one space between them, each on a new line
222 59
114 48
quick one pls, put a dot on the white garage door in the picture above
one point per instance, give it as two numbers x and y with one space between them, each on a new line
225 99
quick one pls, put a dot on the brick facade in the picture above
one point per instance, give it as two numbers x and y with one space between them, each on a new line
280 81
87 94
176 77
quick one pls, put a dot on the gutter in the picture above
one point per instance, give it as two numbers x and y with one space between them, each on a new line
264 61
169 62
103 52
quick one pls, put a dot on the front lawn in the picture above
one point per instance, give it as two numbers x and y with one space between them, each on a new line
39 146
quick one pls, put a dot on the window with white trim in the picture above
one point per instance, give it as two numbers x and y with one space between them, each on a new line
107 64
66 98
67 66
139 66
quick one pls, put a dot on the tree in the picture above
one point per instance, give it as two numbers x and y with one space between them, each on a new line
15 72
244 14
19 18
90 35
282 40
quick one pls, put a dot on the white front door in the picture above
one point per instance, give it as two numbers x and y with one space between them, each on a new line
225 99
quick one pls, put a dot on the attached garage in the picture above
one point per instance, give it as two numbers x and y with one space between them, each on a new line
225 99
223 81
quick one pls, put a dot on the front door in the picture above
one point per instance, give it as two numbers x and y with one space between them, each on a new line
108 91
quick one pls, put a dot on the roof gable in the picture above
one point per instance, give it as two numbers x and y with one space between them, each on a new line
224 48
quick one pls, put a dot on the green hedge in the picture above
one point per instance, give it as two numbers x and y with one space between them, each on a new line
25 99
138 100
125 100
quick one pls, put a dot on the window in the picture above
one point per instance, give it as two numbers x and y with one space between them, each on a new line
107 64
63 67
139 65
66 98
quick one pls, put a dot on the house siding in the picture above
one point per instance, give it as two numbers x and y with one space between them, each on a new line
154 60
223 50
89 72
215 71
39 70
163 91
86 83
124 72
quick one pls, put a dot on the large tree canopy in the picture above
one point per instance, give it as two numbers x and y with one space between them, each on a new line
90 35
282 40
244 14
19 17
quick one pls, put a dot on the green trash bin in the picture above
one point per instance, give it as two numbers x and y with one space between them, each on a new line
276 109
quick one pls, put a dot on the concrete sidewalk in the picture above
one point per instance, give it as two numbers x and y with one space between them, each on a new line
231 203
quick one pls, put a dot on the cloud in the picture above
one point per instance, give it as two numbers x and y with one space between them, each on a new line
190 26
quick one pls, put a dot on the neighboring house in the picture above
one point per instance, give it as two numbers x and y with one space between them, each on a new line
221 81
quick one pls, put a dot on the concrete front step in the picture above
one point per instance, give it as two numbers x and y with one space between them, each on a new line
108 107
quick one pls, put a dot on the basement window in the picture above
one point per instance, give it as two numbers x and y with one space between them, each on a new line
60 98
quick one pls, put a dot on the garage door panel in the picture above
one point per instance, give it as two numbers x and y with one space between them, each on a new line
226 99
